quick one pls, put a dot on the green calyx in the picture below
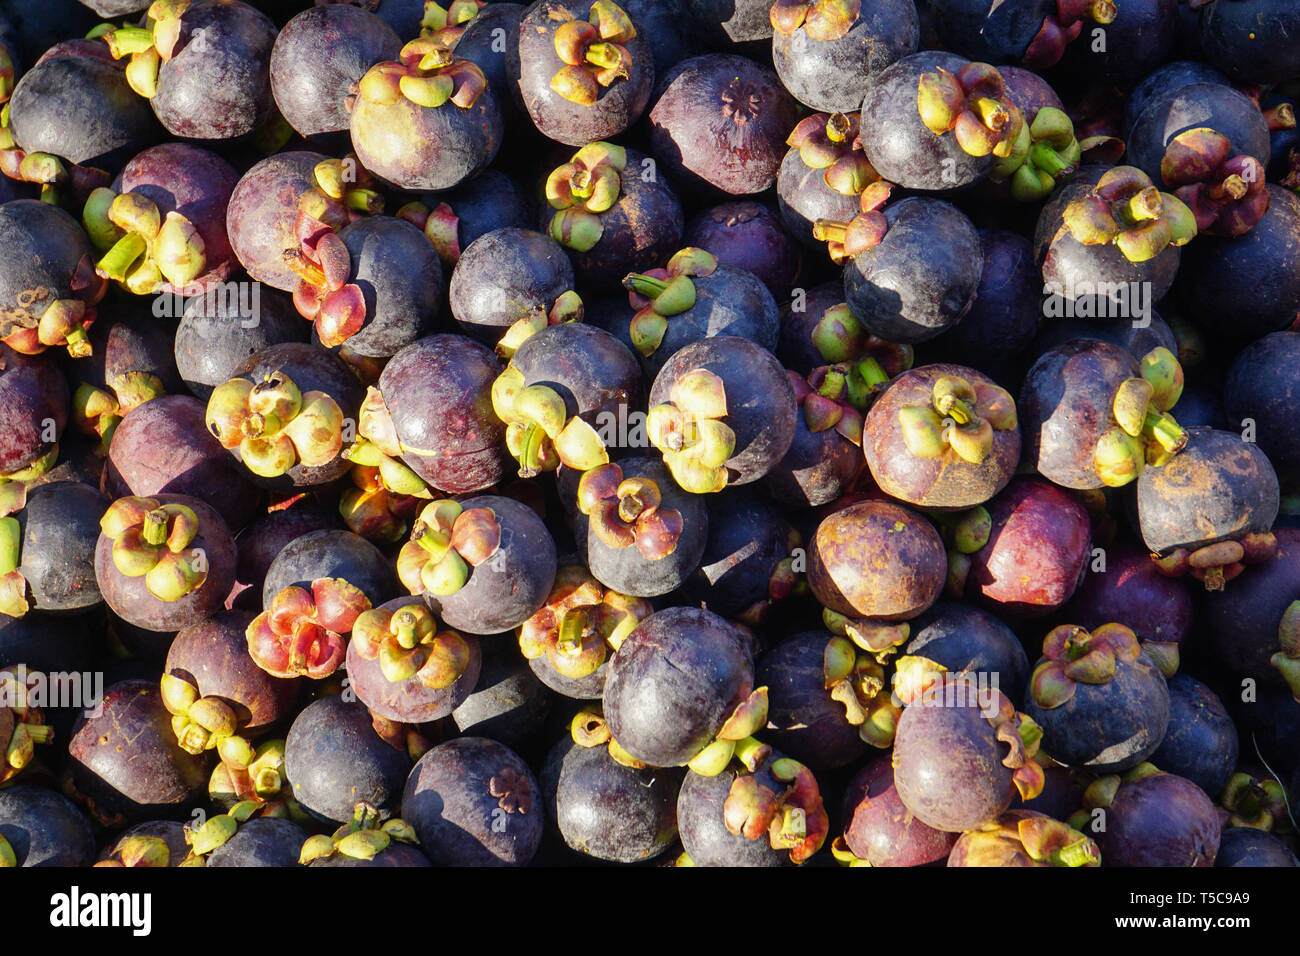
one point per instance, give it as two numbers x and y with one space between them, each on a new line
426 74
147 48
22 725
960 417
362 838
143 250
1124 208
540 434
1287 660
878 639
1072 655
98 411
13 586
1144 433
735 739
793 819
1256 801
567 308
825 399
409 646
974 105
156 541
690 432
447 544
856 680
822 20
1045 151
660 294
583 188
592 51
446 25
590 729
274 425
831 143
1034 838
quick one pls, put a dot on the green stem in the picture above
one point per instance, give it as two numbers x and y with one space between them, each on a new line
1167 432
645 285
117 261
154 531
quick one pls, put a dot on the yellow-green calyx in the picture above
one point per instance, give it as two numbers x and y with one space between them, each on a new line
1021 734
832 143
427 74
148 48
139 850
1101 792
592 51
143 249
878 639
1144 433
840 339
540 434
590 729
581 624
62 322
825 401
579 191
274 425
690 431
1287 660
1032 839
204 723
22 725
13 586
409 646
660 294
377 447
857 681
447 543
447 24
362 838
1126 209
216 831
794 819
961 418
1258 802
974 105
97 411
964 533
1073 655
1045 151
373 511
262 780
736 737
822 20
567 308
844 240
155 541
628 511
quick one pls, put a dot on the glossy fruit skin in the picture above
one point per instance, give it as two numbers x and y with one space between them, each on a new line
1161 820
334 758
45 828
509 703
60 526
617 107
834 75
479 44
1037 553
131 600
1139 39
803 720
262 841
32 392
760 401
748 538
724 22
1132 592
921 278
1215 106
962 637
1243 846
673 683
1163 80
1201 743
878 828
127 760
448 801
803 197
714 147
863 565
317 56
608 811
1182 503
331 554
44 245
748 235
1242 620
262 211
898 145
219 89
1110 727
1261 383
81 108
217 335
947 765
817 469
504 276
1248 40
213 655
439 393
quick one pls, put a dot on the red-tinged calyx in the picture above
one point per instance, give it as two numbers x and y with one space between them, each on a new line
1062 26
446 25
961 418
13 586
204 723
376 446
823 398
845 240
1144 433
440 225
1227 194
1124 208
628 511
1072 655
143 250
821 20
1214 565
275 426
374 511
690 432
866 362
409 646
832 143
155 541
425 74
567 308
540 434
793 818
1256 801
447 544
878 639
301 633
581 624
1287 660
1018 731
98 411
1023 838
580 190
22 724
974 105
62 322
856 680
262 780
362 838
593 51
660 294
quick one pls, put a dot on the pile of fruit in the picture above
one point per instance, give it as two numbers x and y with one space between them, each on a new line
696 432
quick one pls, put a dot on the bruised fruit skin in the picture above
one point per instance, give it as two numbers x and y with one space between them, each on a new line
438 392
956 465
576 94
175 585
1102 703
674 683
1024 838
1155 820
450 798
720 124
879 830
876 560
127 762
1037 550
263 210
